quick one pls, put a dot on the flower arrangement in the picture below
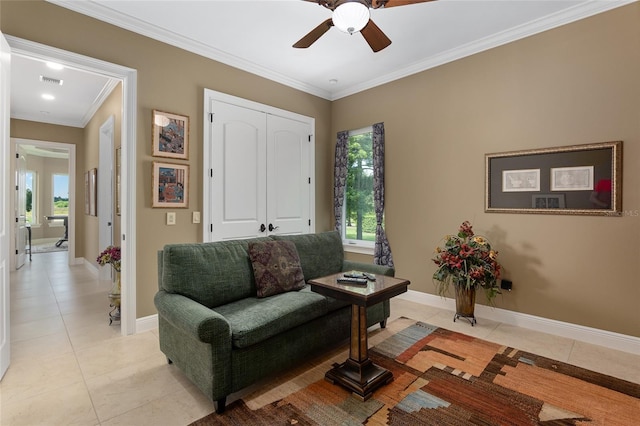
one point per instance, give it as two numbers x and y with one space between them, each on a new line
467 260
110 255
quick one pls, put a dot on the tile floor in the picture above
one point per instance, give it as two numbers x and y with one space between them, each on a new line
69 367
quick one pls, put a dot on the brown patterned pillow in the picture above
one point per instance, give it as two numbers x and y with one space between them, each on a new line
276 267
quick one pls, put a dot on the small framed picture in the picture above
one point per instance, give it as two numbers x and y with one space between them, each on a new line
170 185
93 190
521 180
170 135
572 178
87 194
547 201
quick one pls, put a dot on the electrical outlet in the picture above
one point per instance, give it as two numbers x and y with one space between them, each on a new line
196 217
171 218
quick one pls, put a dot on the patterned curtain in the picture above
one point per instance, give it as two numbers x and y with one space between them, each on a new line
382 252
340 177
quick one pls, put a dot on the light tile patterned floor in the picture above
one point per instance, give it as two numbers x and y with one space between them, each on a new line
69 367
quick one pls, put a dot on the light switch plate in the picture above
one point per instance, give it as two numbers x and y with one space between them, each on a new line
196 217
171 218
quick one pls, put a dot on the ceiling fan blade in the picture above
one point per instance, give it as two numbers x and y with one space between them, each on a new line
392 3
314 34
375 37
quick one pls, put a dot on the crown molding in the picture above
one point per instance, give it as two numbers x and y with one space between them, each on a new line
107 15
575 13
549 22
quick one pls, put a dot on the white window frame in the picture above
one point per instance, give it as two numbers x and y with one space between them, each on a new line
57 222
34 197
350 245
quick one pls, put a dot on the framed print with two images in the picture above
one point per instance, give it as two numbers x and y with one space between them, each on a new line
576 179
170 185
170 135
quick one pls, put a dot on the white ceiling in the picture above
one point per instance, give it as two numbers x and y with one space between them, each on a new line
256 36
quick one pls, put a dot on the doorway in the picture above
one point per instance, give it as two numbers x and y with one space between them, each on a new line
128 78
46 192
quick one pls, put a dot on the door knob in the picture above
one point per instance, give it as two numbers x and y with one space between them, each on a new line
273 228
263 228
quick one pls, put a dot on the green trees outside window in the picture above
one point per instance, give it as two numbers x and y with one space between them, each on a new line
360 217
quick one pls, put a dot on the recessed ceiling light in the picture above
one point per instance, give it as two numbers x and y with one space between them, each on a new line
333 81
55 65
48 97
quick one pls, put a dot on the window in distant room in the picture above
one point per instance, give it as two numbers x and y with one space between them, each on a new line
60 195
31 198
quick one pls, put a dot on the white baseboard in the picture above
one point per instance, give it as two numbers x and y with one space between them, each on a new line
621 342
146 323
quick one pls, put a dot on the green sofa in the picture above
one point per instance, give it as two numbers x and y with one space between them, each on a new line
224 338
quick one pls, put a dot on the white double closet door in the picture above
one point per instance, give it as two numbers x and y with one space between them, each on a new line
260 169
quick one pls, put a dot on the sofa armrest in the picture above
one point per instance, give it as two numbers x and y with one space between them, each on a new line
195 319
350 265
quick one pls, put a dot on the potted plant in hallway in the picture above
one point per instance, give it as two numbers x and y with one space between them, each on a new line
111 256
467 262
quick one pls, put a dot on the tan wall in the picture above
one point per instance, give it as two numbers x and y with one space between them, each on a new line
89 235
169 79
576 84
573 85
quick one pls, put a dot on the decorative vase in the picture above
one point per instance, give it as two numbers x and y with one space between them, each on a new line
465 303
114 297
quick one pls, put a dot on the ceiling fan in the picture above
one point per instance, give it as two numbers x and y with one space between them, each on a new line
352 16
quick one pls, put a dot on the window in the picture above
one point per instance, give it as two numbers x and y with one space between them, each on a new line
359 217
60 195
31 197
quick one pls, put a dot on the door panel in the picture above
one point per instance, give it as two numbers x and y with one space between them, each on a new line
288 176
21 209
5 65
238 201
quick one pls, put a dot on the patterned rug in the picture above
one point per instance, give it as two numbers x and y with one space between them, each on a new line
441 378
48 245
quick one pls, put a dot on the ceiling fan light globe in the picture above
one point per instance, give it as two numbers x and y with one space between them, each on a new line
351 17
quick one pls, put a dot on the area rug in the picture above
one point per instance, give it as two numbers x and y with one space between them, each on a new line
47 245
442 378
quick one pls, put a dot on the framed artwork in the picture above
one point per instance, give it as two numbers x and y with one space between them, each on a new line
576 179
118 166
93 191
170 185
87 196
572 178
521 180
547 201
170 135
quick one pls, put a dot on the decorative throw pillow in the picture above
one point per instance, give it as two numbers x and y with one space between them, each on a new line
276 267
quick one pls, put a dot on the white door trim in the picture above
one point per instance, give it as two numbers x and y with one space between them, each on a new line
128 77
105 190
5 210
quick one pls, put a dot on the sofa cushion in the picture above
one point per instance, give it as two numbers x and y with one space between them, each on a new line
276 267
253 320
212 274
320 254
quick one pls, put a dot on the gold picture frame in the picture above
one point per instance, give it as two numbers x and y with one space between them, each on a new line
592 185
170 135
170 185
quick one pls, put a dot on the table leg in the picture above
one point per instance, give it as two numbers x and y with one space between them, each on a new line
358 373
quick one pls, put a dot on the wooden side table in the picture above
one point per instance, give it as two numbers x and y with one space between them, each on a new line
358 373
